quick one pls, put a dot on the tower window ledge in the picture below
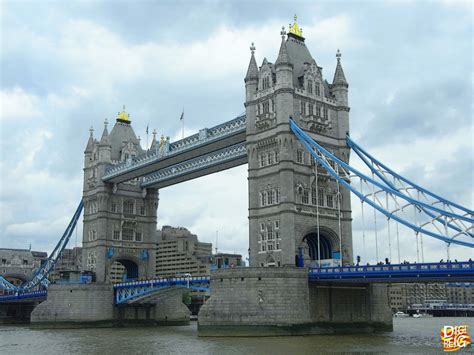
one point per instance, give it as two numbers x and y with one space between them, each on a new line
317 124
265 120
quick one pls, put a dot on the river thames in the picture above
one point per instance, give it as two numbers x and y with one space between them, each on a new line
410 335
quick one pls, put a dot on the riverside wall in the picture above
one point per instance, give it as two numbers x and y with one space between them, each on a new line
281 301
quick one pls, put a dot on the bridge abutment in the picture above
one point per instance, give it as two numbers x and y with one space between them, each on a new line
92 305
76 305
281 301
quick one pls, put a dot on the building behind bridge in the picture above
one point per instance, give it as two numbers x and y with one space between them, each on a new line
71 260
178 252
17 265
405 296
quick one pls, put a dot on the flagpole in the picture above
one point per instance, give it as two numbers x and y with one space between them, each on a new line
182 124
146 148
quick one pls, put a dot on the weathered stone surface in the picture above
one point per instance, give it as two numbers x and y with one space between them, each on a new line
92 305
280 301
76 303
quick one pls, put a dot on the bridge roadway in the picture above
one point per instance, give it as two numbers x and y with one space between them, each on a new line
208 142
423 272
137 291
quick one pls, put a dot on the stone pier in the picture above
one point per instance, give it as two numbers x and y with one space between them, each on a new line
92 305
281 301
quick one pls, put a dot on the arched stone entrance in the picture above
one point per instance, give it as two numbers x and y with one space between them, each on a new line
123 269
323 248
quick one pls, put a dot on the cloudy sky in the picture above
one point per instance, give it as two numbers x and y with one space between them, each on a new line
68 65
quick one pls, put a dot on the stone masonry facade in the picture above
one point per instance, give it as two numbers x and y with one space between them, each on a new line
119 219
285 193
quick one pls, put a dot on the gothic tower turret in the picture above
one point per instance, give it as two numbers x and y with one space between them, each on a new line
288 193
119 220
339 83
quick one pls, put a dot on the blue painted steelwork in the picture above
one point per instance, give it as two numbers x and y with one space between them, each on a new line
372 163
205 136
395 272
41 275
313 147
360 151
23 296
130 292
218 157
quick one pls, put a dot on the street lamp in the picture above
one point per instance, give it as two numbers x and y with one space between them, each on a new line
188 277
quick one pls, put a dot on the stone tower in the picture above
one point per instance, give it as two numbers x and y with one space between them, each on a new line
294 217
119 219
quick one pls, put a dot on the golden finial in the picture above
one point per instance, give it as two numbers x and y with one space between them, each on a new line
123 116
162 140
295 29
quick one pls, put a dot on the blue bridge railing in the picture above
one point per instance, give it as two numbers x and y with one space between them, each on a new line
396 272
129 292
23 295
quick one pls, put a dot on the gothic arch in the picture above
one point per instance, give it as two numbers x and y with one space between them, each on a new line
328 242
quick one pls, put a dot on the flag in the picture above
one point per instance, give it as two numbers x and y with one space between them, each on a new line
182 116
146 129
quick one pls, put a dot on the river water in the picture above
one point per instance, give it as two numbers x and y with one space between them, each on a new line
410 335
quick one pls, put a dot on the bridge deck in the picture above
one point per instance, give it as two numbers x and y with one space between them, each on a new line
205 142
425 272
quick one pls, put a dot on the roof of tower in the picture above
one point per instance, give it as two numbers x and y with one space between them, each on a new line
339 77
154 143
252 71
298 54
122 133
90 142
283 56
105 135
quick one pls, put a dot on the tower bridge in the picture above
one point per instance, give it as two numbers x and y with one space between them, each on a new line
294 136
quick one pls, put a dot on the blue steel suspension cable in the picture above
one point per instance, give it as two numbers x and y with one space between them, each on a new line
308 142
42 273
364 155
358 149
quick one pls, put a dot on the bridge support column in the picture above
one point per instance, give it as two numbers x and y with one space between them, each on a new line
76 305
349 308
281 301
256 302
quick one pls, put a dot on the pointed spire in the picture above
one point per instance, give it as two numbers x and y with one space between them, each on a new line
252 71
154 146
283 57
105 135
339 77
90 142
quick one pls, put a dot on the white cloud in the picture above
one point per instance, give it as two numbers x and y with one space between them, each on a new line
16 104
334 32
